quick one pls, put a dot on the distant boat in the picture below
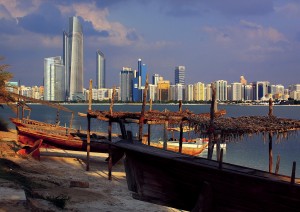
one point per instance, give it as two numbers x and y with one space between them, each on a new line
190 148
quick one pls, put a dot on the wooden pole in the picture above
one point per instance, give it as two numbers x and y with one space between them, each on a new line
293 173
109 134
180 137
221 159
270 152
109 150
149 125
150 106
141 122
166 134
112 101
277 164
90 94
270 107
181 128
180 105
211 127
88 146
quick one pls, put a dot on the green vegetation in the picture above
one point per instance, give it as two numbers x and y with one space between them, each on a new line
5 76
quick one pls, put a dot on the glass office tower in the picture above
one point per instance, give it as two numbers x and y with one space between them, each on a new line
180 75
126 77
73 59
100 72
54 79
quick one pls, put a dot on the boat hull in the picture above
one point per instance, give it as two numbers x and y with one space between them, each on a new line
186 182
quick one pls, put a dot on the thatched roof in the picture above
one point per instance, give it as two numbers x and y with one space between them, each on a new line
150 117
231 127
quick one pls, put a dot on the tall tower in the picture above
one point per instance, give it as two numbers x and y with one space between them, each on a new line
221 90
126 77
100 72
142 72
73 59
180 75
54 79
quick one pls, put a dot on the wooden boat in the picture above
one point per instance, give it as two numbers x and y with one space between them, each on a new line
54 136
193 183
190 148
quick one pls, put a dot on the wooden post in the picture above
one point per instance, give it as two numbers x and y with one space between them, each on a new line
112 101
218 147
149 125
150 105
221 159
270 107
293 173
181 128
277 164
141 122
109 150
88 146
165 146
180 136
90 94
270 152
129 135
180 105
109 134
211 127
149 134
122 128
71 121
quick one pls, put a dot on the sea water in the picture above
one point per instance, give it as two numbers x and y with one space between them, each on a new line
251 151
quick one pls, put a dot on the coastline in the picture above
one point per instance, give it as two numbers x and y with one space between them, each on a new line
56 170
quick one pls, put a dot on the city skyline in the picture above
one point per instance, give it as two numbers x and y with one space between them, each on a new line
259 39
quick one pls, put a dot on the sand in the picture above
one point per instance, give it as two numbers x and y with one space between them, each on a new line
57 170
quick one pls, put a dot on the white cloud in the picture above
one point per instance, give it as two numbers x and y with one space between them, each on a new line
98 18
290 10
248 40
16 10
31 41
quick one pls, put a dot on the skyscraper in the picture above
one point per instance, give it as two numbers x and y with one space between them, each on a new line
155 79
73 59
180 75
142 72
126 76
54 79
221 90
100 72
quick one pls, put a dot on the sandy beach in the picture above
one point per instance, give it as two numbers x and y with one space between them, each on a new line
62 175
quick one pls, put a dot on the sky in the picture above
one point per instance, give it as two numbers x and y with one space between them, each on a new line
213 39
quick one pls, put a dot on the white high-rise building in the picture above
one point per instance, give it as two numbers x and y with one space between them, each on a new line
73 59
199 91
54 79
100 72
189 93
236 91
221 90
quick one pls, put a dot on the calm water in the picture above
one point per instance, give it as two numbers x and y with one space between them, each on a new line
251 151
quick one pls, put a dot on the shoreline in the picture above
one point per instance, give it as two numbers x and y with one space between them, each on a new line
57 169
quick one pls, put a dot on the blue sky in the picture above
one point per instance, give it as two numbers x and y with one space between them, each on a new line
214 39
